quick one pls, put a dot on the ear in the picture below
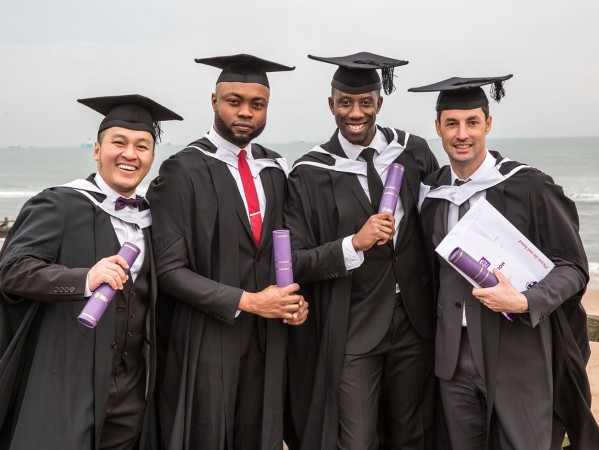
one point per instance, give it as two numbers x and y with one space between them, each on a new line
489 124
213 100
379 104
332 105
438 127
96 151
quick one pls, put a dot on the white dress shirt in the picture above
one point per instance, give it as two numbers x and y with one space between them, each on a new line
232 164
454 210
125 232
353 258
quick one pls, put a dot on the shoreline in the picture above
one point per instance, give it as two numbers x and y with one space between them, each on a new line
590 302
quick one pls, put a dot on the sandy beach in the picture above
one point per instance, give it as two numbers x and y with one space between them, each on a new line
591 304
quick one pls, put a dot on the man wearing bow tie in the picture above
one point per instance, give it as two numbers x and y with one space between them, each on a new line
63 385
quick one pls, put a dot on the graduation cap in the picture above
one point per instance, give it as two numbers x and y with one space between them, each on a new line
134 112
243 68
357 73
465 93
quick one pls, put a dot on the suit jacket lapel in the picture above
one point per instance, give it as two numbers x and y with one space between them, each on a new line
221 172
271 201
334 147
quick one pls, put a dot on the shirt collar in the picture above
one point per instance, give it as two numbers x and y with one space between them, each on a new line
111 194
222 144
487 164
379 143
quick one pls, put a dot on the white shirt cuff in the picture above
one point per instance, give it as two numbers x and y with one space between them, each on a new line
87 293
353 258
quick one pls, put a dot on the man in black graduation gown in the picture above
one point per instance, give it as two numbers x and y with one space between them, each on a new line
506 384
62 385
218 201
365 273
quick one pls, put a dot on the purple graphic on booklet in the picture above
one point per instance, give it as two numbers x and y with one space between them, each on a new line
100 299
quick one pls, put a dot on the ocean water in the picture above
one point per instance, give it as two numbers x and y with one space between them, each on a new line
572 162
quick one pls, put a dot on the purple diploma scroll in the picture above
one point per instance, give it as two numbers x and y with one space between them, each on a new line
101 297
391 190
282 251
474 270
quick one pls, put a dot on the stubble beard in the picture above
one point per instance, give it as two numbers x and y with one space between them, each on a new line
229 135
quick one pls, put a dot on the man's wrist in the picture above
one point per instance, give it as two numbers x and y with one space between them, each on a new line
524 301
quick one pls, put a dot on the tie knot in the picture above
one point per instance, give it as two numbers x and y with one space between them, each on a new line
368 154
242 154
121 202
458 182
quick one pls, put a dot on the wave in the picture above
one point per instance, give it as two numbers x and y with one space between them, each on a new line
594 269
584 197
18 194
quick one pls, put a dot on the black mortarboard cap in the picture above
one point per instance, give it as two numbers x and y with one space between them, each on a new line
243 68
134 112
465 93
357 73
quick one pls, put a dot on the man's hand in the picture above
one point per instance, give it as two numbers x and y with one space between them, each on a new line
273 302
378 229
108 270
502 298
300 316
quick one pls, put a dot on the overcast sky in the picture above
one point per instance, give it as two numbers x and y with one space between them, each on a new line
53 52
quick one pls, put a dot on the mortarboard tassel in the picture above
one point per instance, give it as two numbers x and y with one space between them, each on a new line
158 131
497 91
387 80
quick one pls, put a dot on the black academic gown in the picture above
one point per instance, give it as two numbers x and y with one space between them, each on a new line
320 212
206 258
54 372
535 364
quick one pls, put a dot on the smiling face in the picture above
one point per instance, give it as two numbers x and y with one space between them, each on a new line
240 111
355 115
463 134
124 158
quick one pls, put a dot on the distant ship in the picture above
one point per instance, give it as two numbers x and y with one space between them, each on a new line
89 143
300 141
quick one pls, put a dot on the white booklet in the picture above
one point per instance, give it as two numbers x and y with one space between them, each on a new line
488 237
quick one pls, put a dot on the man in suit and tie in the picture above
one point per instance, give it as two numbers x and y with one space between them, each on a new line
371 331
218 201
63 385
506 384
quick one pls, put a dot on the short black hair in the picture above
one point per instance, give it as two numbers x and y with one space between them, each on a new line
485 109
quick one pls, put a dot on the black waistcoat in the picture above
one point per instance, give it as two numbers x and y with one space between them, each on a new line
372 297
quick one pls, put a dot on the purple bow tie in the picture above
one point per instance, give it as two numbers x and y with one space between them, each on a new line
121 202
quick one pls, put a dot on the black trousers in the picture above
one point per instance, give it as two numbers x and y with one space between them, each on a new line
125 409
399 371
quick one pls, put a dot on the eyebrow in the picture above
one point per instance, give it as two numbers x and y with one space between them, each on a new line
235 94
453 119
122 136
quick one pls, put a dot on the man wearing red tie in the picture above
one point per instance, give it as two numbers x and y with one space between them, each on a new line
217 203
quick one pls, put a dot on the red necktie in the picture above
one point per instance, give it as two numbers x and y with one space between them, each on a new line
251 196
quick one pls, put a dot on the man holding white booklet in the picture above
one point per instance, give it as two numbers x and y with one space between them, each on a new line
517 380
